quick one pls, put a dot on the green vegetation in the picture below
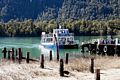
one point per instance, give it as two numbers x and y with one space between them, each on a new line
59 9
83 17
79 27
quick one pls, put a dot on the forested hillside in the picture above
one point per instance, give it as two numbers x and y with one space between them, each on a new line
83 17
59 9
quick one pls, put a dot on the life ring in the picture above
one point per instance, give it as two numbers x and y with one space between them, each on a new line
105 49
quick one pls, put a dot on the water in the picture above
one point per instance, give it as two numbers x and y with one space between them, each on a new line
32 44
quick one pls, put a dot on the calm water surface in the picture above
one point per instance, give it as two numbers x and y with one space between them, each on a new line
32 44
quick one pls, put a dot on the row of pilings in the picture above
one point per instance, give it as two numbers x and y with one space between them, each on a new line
17 56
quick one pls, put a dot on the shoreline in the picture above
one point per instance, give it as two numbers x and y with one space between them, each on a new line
78 69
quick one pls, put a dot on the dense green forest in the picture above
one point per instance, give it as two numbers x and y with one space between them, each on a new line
79 27
83 17
59 9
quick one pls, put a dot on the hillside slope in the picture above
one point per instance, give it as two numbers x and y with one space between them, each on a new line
59 9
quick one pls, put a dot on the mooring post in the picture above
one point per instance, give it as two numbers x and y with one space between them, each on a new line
97 74
16 55
42 60
9 55
27 57
92 66
61 67
50 55
67 56
83 49
57 52
57 47
13 58
19 55
4 51
89 49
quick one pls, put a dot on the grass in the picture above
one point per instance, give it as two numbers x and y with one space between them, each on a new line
101 62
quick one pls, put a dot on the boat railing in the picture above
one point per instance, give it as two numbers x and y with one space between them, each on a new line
47 35
69 34
103 41
90 41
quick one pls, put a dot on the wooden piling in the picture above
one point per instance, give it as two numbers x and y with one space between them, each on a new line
67 56
13 57
16 55
61 67
50 55
97 74
4 52
19 55
57 52
83 49
92 66
27 57
57 47
9 55
42 61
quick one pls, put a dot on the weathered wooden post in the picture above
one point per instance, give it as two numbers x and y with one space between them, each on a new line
4 51
50 55
13 58
42 61
16 55
97 74
27 57
19 55
61 67
82 49
57 46
90 48
9 55
57 52
67 56
92 66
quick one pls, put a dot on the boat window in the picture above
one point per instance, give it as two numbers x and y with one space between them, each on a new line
71 38
118 41
63 31
51 39
44 40
59 32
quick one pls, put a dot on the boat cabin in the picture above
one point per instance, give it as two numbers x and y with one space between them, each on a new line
61 32
47 38
63 36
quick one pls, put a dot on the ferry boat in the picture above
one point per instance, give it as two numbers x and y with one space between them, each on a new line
61 38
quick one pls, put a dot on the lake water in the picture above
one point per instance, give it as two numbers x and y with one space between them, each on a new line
32 44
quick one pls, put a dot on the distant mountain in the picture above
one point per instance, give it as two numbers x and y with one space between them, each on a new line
59 9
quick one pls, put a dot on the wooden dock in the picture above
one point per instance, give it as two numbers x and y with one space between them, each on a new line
102 48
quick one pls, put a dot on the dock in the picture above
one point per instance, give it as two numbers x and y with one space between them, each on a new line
103 47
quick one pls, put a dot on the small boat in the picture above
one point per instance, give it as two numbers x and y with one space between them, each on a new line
61 38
